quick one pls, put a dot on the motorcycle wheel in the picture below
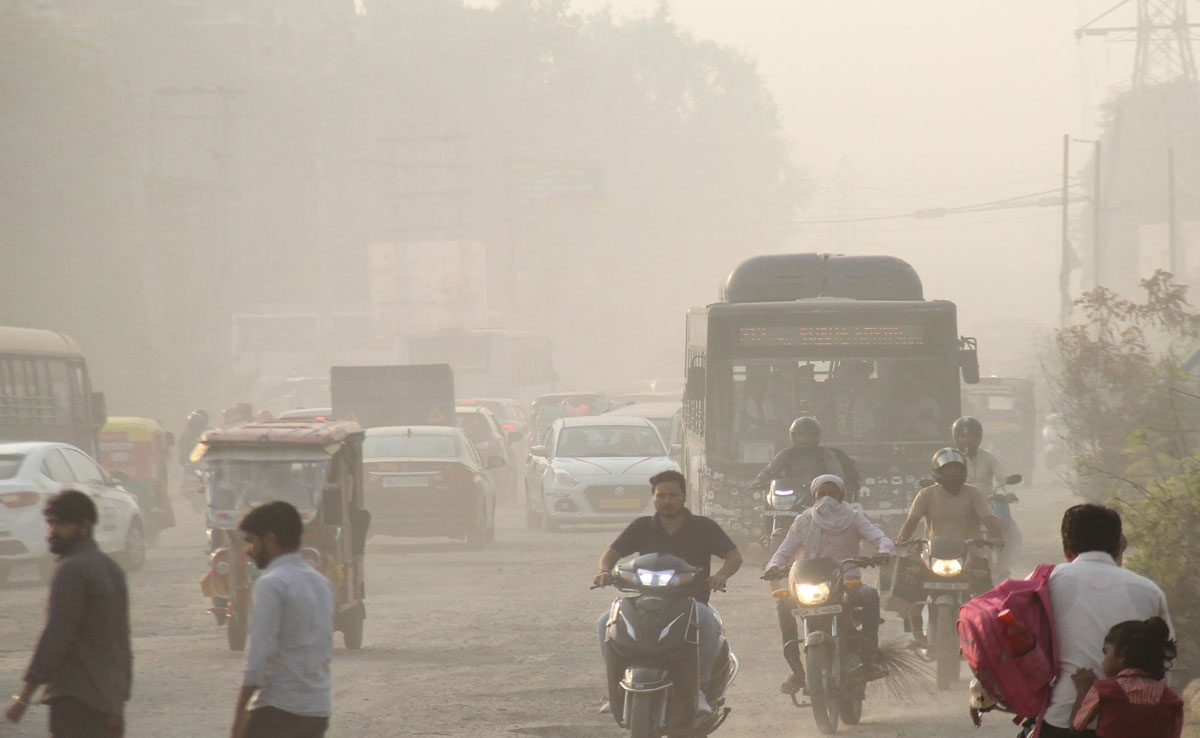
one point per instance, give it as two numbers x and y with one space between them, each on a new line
946 646
235 631
851 710
641 716
820 690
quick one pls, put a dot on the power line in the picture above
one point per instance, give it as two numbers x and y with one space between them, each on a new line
1017 201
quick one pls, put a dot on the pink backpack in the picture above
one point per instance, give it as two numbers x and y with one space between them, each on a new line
1021 685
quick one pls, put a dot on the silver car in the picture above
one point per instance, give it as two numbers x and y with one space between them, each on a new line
594 470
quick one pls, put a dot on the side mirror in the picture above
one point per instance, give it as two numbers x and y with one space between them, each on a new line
968 359
118 479
694 387
495 462
1014 479
540 451
99 408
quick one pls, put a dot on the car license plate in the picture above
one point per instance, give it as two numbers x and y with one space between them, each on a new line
808 612
406 481
951 586
630 505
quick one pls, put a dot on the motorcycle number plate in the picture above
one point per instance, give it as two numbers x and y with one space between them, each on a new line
406 481
948 586
808 612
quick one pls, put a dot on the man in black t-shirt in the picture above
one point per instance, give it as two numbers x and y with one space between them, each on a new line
696 539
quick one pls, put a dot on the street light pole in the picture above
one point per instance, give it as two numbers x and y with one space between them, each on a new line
1066 257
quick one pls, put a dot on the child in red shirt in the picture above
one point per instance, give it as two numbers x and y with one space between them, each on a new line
1132 701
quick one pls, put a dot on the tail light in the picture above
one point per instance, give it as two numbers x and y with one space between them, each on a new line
313 557
510 426
19 499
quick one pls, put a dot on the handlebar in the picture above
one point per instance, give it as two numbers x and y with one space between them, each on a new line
861 562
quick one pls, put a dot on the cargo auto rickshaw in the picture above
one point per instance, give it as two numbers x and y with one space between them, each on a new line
135 452
317 467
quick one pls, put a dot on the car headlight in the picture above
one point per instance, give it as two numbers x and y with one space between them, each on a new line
565 478
812 594
947 567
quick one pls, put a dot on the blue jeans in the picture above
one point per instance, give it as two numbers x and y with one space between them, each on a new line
711 630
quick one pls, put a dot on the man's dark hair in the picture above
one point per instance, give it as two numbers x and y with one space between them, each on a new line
276 517
670 475
1091 528
71 506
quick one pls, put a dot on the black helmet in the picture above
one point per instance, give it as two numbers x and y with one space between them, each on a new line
952 479
198 419
807 424
966 425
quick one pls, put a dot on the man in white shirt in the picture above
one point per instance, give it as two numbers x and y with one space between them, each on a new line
291 634
1090 594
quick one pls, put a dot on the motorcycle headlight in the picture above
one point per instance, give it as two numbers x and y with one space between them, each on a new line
651 578
812 594
565 478
947 567
783 499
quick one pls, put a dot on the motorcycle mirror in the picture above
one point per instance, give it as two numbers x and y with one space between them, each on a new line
1013 479
779 594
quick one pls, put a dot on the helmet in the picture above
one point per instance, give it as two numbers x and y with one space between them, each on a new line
807 424
951 479
966 425
198 419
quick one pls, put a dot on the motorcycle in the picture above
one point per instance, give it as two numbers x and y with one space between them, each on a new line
950 574
785 499
652 652
837 680
1002 500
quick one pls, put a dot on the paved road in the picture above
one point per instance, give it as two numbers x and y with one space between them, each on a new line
467 643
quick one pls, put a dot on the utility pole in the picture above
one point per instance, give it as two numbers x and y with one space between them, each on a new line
1067 256
1097 223
1163 35
1174 253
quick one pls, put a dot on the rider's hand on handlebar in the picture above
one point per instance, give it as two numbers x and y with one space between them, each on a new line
772 574
716 582
880 559
602 579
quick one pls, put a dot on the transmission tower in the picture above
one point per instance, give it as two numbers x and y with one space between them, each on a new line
1164 41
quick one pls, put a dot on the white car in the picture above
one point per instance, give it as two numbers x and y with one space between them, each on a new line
32 472
594 470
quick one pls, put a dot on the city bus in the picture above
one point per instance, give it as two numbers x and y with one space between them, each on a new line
849 340
45 391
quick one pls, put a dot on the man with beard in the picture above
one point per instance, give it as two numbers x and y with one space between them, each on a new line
951 508
674 530
832 528
291 634
83 656
806 459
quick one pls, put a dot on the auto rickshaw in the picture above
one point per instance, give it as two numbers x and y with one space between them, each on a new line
135 452
317 467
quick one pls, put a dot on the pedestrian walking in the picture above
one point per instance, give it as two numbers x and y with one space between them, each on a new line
1089 595
287 690
1132 701
83 658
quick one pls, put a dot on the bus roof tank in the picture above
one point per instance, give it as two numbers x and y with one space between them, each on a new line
785 277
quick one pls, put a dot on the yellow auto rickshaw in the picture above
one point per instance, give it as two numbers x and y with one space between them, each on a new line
135 452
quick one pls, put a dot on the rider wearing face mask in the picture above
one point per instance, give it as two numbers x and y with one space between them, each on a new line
951 508
831 528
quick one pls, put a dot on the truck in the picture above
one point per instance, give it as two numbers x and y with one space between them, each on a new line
850 340
412 394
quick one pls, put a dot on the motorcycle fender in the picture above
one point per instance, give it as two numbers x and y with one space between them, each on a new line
816 639
645 680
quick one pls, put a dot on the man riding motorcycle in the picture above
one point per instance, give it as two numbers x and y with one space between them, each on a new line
985 472
674 530
831 528
951 508
806 459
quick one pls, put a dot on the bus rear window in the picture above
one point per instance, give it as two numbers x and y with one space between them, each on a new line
9 465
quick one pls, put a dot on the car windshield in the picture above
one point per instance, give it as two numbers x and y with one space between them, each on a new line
475 426
235 484
441 446
609 440
9 464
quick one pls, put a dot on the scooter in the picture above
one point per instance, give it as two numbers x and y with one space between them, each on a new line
1002 500
652 652
785 500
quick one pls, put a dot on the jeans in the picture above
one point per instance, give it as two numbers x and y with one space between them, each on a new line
863 597
711 631
271 722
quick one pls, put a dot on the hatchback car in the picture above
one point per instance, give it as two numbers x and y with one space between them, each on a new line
31 473
429 481
594 470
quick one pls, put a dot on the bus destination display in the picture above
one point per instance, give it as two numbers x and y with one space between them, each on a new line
795 336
